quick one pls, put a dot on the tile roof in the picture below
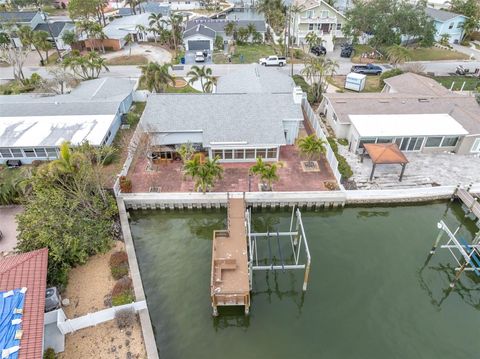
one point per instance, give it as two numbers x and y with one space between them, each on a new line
410 83
28 270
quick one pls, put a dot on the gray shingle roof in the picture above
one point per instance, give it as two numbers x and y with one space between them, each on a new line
218 25
254 78
199 30
94 97
440 15
17 16
56 27
249 118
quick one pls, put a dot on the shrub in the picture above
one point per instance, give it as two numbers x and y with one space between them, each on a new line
49 353
119 272
298 54
343 141
123 285
118 258
125 184
132 118
390 73
343 166
124 318
219 42
124 298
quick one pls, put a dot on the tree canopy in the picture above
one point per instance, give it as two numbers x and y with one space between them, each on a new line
390 22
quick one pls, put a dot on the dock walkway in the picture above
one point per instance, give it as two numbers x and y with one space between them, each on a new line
230 278
469 201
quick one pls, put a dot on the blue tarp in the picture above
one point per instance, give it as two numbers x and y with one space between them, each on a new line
8 305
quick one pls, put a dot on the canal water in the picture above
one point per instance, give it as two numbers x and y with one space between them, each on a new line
368 296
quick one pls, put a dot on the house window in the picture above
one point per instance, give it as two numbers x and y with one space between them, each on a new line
218 153
40 152
228 154
310 26
5 153
29 152
366 140
450 26
16 152
261 153
460 25
339 26
324 13
51 152
476 146
239 154
272 153
319 26
384 140
309 14
250 153
449 141
334 116
433 141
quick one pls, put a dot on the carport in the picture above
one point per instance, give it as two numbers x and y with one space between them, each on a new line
383 154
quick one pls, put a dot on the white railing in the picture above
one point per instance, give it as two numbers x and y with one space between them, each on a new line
314 122
92 319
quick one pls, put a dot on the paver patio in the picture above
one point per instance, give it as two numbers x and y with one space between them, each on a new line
169 177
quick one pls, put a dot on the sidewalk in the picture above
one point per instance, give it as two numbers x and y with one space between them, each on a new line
470 51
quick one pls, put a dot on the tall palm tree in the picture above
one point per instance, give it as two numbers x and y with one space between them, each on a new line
312 146
28 39
204 75
175 22
397 55
230 29
128 42
317 70
156 24
156 77
40 39
205 173
312 39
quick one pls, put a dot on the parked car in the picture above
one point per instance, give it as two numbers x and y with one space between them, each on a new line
273 61
53 300
318 50
199 57
13 163
368 69
346 50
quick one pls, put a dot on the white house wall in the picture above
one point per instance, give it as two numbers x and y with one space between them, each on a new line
291 128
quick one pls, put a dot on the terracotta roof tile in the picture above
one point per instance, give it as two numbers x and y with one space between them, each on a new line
28 270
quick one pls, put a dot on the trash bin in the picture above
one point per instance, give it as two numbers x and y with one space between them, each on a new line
182 60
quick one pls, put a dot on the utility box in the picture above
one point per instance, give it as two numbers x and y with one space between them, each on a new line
355 82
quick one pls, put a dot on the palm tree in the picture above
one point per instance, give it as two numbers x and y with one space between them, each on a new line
175 23
317 70
312 146
312 39
156 24
397 54
27 37
266 171
294 11
40 40
128 42
156 77
69 38
204 75
205 173
230 29
251 30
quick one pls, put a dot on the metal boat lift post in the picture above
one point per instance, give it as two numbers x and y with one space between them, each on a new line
297 237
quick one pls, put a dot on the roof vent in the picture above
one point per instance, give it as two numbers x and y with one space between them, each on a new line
340 101
383 101
423 100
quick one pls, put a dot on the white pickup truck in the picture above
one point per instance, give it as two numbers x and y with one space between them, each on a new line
273 61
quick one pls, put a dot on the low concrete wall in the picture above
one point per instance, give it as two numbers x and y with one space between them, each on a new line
144 314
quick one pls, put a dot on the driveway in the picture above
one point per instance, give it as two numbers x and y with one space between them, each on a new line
151 52
8 226
190 59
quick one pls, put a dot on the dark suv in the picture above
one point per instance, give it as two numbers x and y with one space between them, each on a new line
318 50
346 50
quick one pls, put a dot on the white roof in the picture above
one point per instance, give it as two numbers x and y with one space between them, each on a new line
354 75
406 125
51 131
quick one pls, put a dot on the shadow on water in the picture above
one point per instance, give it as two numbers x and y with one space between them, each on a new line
230 317
369 214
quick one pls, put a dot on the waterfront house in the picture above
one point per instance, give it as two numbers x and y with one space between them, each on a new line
447 23
234 127
317 17
33 126
149 6
414 111
200 33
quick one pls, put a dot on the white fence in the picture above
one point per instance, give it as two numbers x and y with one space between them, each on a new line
314 122
92 319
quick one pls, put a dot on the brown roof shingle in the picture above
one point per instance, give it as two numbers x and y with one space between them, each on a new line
28 270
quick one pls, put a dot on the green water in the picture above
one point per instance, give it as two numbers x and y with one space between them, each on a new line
366 298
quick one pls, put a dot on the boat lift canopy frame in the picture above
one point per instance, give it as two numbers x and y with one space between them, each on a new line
297 237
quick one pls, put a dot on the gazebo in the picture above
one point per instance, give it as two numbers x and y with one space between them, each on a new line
383 154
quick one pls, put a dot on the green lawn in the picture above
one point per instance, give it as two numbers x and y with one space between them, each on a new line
416 54
128 60
373 83
251 53
186 89
470 82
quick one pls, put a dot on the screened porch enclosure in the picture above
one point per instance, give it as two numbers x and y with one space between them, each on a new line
414 144
229 154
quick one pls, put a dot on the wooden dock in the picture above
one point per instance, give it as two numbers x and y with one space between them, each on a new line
469 201
229 284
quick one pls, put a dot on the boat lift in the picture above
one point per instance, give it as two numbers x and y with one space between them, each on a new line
298 243
466 255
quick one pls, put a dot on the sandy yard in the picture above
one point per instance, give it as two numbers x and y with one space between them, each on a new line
89 285
150 51
105 341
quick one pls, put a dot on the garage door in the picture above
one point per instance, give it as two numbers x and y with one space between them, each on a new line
199 45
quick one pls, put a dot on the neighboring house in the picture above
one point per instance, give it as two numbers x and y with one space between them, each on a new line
201 32
413 111
23 281
318 17
118 29
60 4
255 78
447 23
183 4
235 127
33 126
20 18
57 28
151 7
